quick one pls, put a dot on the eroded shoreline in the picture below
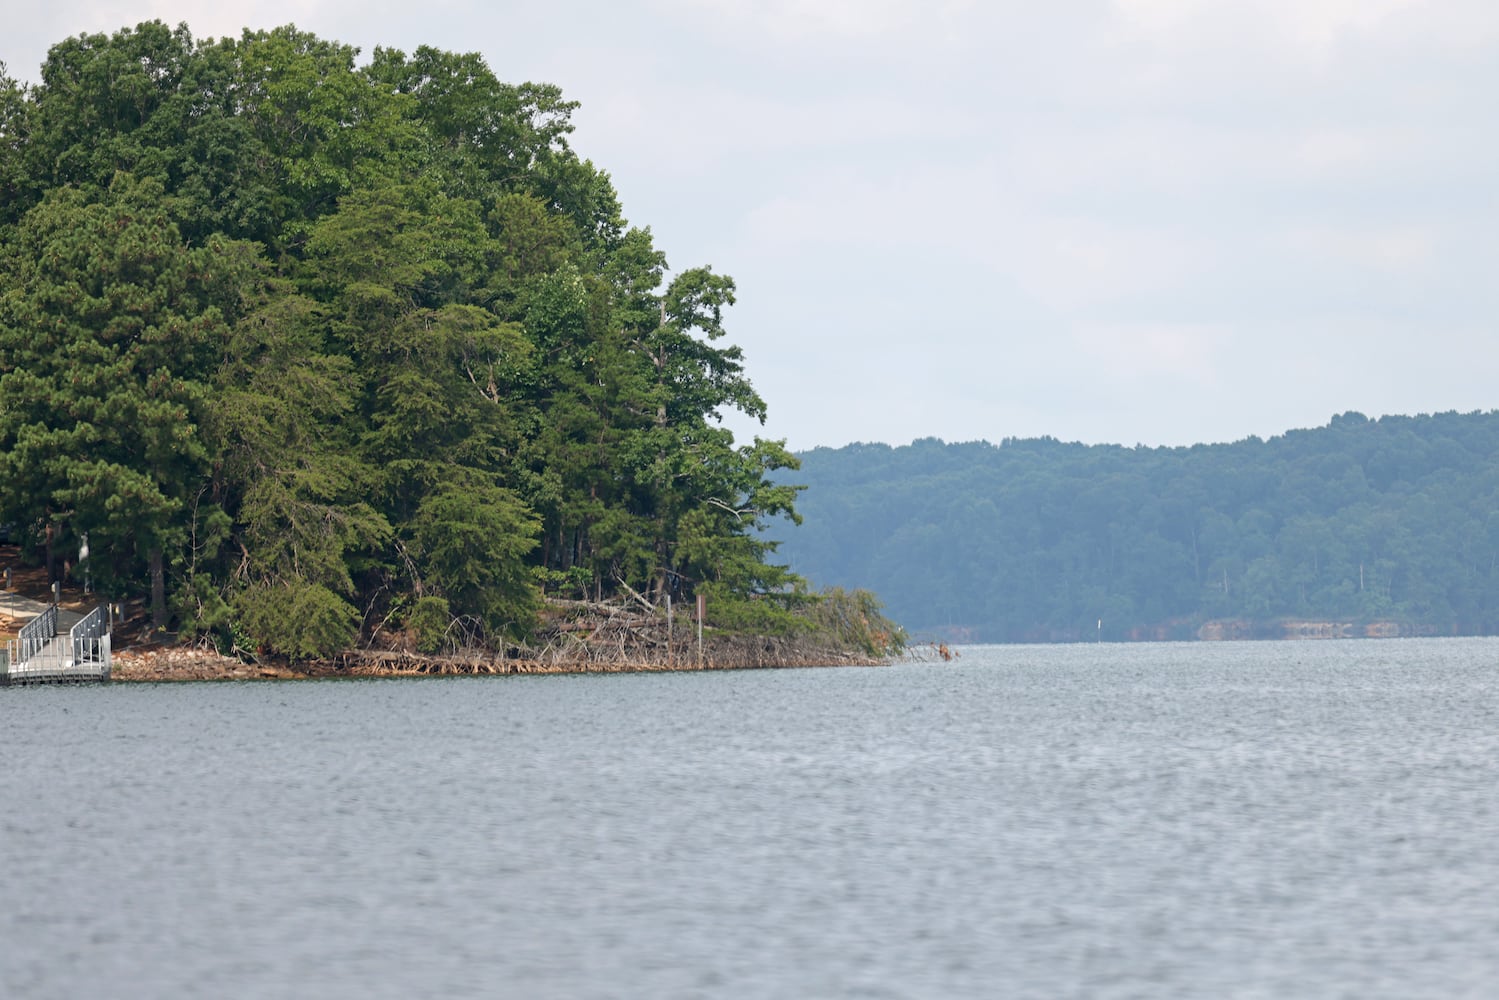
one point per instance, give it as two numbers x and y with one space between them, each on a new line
185 663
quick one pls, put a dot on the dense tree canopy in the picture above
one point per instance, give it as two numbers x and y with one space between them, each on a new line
1393 520
304 345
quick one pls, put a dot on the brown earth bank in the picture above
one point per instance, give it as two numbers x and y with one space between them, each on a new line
194 663
579 639
190 663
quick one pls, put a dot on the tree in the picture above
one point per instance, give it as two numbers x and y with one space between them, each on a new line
281 420
307 347
15 129
474 538
108 329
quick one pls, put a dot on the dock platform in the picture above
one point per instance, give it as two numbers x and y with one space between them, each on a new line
54 645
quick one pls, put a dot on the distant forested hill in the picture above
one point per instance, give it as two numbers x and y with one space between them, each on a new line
1393 520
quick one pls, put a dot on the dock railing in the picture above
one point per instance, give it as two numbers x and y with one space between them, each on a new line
38 655
90 640
35 635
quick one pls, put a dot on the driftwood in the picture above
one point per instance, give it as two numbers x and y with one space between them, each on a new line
594 636
575 637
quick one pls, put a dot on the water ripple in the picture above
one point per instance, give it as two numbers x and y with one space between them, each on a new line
1239 820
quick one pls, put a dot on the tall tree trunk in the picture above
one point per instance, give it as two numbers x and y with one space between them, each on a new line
158 589
663 579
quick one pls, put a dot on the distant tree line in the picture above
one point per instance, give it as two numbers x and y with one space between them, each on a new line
1395 519
308 348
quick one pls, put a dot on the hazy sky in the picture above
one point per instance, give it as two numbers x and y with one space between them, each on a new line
1137 221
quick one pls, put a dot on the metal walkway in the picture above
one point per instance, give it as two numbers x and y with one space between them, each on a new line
55 645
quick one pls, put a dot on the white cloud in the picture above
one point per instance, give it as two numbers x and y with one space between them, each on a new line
697 129
1116 220
1392 251
1171 352
808 20
1314 26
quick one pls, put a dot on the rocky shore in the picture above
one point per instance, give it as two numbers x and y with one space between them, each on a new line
186 663
191 663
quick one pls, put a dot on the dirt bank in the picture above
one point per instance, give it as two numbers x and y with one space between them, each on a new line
183 663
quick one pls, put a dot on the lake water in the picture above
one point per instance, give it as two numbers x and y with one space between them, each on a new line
1204 820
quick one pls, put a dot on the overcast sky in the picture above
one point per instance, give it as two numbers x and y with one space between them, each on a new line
1128 221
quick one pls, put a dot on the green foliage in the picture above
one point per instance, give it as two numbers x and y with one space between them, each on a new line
571 582
15 128
783 614
1358 521
108 323
835 617
300 343
304 621
472 538
430 619
854 618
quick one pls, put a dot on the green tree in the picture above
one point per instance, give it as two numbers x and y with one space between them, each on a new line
16 182
305 346
108 331
282 421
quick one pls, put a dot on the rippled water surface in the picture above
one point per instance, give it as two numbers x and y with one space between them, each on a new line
1247 820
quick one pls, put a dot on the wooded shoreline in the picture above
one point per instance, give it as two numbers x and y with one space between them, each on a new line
574 636
306 349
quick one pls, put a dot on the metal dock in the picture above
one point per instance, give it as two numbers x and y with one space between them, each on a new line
55 646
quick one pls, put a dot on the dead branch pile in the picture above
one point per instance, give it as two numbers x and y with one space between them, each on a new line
576 637
607 637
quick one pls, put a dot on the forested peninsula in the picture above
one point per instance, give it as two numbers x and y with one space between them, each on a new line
320 355
1363 527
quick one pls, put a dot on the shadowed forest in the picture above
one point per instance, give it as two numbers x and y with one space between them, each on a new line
1392 521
